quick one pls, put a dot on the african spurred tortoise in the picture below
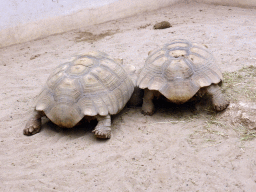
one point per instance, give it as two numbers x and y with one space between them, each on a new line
91 85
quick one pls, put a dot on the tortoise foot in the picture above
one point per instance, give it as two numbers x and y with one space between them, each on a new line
148 108
221 105
102 132
32 127
150 113
219 101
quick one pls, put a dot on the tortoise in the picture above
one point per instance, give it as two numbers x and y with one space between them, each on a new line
179 71
91 86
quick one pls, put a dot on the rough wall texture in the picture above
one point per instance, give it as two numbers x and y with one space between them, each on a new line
21 21
235 3
26 20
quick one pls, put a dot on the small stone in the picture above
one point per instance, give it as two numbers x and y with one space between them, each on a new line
162 25
248 121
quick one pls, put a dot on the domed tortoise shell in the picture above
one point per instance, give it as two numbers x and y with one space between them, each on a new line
178 70
92 83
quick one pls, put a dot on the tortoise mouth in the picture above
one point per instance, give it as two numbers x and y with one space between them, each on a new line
64 115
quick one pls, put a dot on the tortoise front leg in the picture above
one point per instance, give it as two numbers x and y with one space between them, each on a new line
33 125
103 128
148 107
218 99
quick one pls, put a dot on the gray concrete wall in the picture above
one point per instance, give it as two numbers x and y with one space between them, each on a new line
234 3
24 20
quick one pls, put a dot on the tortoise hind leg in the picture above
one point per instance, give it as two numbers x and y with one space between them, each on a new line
33 125
103 128
148 107
218 99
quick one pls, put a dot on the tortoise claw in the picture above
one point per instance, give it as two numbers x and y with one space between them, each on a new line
102 132
32 127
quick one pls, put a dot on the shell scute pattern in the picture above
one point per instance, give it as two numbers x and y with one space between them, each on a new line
44 100
92 82
106 78
68 87
56 75
100 106
89 81
179 91
156 83
175 45
179 69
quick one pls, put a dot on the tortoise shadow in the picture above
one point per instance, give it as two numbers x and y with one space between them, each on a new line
82 129
202 106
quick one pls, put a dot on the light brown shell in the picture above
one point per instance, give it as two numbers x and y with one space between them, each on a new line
90 84
178 70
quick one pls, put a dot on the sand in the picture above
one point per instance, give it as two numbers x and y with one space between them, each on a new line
179 148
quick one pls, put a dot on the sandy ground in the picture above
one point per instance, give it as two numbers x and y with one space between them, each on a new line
179 148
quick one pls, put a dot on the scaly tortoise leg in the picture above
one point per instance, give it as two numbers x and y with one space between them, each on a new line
148 107
33 125
103 128
218 99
